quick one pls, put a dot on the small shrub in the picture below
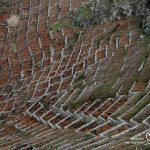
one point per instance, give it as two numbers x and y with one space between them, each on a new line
88 136
83 12
76 105
79 77
5 5
56 27
82 16
76 35
79 85
102 92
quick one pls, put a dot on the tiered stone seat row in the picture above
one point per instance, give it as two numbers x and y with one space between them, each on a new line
37 78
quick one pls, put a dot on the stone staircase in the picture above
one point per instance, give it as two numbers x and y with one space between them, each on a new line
48 77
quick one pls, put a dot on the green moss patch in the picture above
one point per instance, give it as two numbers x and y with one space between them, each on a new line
5 6
76 105
57 27
83 12
102 92
88 136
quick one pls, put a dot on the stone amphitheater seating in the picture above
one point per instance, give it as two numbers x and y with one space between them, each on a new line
38 84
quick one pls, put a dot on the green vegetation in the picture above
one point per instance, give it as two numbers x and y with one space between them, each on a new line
137 109
102 92
79 85
88 136
83 12
82 16
57 27
130 79
131 102
79 77
139 21
136 60
25 134
76 35
76 105
143 147
3 116
142 104
5 5
73 38
145 74
68 21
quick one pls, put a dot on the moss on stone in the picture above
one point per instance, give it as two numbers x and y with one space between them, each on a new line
57 27
102 92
